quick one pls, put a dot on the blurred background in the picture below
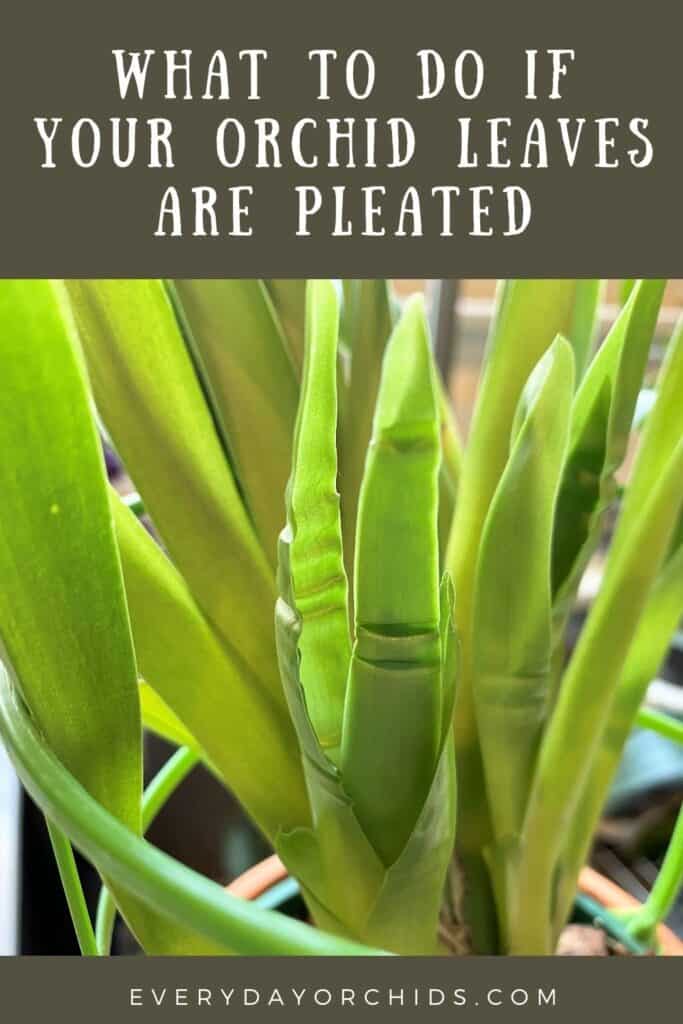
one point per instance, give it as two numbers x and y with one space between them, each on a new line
204 827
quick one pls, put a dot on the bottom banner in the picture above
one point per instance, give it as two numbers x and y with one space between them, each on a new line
333 989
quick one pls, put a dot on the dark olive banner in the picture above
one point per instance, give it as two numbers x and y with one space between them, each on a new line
477 990
279 139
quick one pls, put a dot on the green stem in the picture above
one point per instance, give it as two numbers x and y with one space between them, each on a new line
665 725
643 923
210 920
624 716
104 921
160 789
73 890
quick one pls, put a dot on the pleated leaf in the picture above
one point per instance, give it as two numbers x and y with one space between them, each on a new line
251 385
315 557
349 890
393 710
348 884
512 611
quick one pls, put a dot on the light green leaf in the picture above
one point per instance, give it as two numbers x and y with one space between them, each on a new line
149 397
63 615
367 324
664 608
316 563
659 619
158 717
450 471
512 611
251 385
245 734
63 619
529 314
393 712
587 691
288 296
660 437
347 888
353 888
602 416
584 324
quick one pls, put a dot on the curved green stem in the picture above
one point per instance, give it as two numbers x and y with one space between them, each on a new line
207 920
73 890
160 789
643 923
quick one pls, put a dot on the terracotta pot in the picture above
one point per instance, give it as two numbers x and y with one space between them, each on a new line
259 879
269 872
612 897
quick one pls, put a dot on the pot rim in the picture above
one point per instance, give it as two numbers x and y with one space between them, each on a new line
258 879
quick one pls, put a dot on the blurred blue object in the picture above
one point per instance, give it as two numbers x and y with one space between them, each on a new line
650 763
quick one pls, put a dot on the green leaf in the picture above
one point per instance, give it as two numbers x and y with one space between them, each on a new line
529 314
415 881
625 288
660 437
659 619
449 473
148 395
289 299
587 691
664 608
158 718
393 712
180 902
658 622
512 610
346 884
251 385
585 318
316 564
602 416
63 615
367 324
245 735
349 891
63 620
